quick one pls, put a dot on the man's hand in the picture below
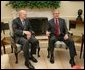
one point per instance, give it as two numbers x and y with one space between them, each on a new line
28 34
66 37
47 33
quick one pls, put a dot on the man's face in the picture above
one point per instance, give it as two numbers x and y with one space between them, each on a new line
56 14
23 14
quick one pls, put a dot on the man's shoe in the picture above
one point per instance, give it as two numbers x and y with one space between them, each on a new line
75 54
52 60
29 65
72 63
33 59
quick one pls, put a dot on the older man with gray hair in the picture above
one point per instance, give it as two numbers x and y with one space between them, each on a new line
57 31
23 35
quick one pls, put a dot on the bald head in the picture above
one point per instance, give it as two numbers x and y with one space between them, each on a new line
56 13
22 14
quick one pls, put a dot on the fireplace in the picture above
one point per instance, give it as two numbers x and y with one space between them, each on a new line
39 25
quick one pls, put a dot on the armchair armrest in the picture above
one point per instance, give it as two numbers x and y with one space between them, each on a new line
70 32
33 33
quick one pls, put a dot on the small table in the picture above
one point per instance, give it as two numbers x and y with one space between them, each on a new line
5 41
82 43
2 44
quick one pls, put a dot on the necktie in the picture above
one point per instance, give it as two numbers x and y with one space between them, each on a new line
24 26
23 23
56 28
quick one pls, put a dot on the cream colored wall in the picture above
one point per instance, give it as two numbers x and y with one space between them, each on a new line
5 12
67 9
70 8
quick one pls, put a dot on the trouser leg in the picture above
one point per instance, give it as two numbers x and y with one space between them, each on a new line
26 47
52 41
34 45
72 50
71 46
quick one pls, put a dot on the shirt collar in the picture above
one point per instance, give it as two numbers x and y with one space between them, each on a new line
56 19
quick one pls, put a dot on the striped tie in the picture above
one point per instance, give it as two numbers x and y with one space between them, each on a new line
56 28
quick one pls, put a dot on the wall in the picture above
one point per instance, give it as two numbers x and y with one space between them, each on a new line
68 9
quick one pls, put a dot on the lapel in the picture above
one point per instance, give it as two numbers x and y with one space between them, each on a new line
20 23
60 23
53 23
26 25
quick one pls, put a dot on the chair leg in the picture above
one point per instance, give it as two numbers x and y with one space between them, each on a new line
38 52
81 48
16 55
1 51
3 47
11 49
52 55
83 55
52 52
48 52
81 52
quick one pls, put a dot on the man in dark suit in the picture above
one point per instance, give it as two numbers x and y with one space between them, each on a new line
57 31
23 35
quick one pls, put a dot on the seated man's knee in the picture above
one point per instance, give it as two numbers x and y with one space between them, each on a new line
71 41
34 40
52 39
23 41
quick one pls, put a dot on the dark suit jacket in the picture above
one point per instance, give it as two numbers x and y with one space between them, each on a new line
62 24
18 28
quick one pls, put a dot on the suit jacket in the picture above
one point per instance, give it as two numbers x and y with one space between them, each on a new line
18 28
62 24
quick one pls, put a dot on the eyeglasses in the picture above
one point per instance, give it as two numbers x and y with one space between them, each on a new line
56 13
